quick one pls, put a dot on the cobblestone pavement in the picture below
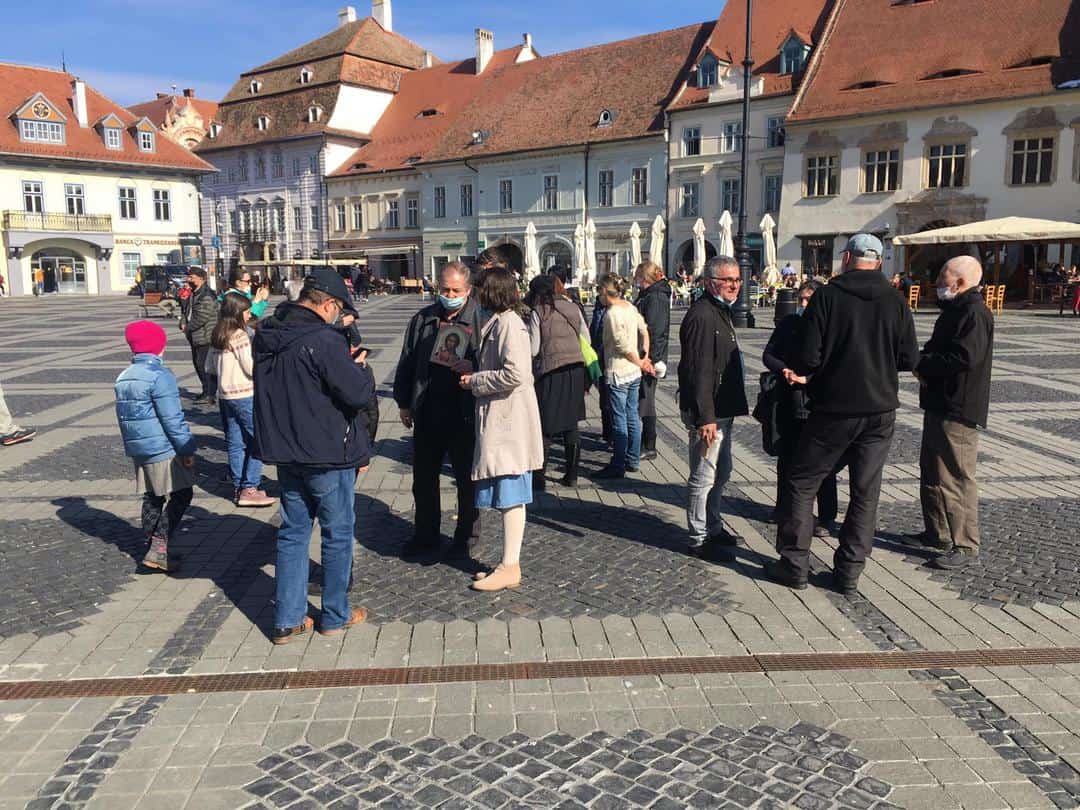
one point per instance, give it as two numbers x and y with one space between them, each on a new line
606 577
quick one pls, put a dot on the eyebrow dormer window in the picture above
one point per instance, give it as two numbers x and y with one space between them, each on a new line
263 123
306 76
314 114
113 138
707 71
255 86
146 141
215 130
606 119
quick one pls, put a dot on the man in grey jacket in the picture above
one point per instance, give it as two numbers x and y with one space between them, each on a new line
197 323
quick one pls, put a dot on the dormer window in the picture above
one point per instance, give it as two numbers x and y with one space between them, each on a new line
146 141
40 121
428 113
113 138
41 131
793 55
707 72
314 114
255 86
607 118
215 130
306 75
263 123
950 73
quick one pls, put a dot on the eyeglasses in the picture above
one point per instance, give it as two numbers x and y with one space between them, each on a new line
734 282
243 281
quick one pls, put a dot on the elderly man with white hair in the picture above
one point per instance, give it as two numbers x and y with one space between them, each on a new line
954 373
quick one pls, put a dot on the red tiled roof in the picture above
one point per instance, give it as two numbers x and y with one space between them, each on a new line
773 21
557 100
19 82
361 38
896 46
157 110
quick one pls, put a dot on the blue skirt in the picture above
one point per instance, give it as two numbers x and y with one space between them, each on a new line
504 492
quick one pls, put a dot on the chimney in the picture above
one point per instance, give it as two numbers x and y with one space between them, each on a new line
162 95
383 14
527 40
189 92
526 53
78 102
346 16
429 60
485 49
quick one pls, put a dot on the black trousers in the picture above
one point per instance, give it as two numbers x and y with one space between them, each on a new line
647 410
863 441
605 409
431 444
207 381
827 499
161 516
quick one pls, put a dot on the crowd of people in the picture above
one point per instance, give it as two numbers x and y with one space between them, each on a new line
493 374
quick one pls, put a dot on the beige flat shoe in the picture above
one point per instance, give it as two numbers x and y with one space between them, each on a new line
504 576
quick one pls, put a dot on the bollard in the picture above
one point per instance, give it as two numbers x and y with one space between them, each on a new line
787 301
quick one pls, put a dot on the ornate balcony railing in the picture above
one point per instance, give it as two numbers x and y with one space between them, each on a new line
31 221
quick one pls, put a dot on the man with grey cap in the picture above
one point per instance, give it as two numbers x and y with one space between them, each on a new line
855 335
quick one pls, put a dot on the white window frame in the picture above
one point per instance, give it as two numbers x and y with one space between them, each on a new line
298 217
33 196
731 137
262 123
342 216
506 196
466 199
357 216
296 170
162 205
774 126
313 163
130 262
708 71
314 114
277 165
306 75
75 197
260 167
881 169
605 188
827 172
777 180
1028 154
314 217
242 168
114 138
438 202
551 192
691 135
412 213
729 195
41 131
690 199
393 215
949 154
146 141
128 202
639 186
254 86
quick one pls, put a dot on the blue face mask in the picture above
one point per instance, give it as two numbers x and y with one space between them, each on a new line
800 310
452 304
720 300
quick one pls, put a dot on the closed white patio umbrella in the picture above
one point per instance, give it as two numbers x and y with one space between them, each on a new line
656 241
727 246
590 250
699 246
771 274
579 255
532 255
635 244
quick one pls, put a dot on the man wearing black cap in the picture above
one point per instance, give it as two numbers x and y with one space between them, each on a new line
198 319
856 334
309 398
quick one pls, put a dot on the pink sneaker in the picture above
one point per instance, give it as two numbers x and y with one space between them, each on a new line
254 498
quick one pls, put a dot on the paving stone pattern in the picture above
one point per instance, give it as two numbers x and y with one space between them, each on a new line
72 375
24 406
804 766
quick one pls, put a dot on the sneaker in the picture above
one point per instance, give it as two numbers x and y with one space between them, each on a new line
608 472
630 468
648 455
725 538
201 399
157 556
923 540
778 572
255 498
283 635
18 437
953 560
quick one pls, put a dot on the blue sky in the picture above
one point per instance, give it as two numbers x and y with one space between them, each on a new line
128 49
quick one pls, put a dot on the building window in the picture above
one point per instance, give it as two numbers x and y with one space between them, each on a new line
688 204
277 165
341 216
219 222
731 140
314 217
313 163
1032 161
33 197
412 212
881 170
131 265
231 174
639 187
314 114
306 76
74 199
822 175
776 132
298 218
241 168
296 170
215 130
774 183
392 214
947 165
506 196
357 217
793 56
607 188
146 141
41 131
260 167
551 192
262 123
162 205
707 71
440 202
127 203
466 200
729 195
691 141
277 214
255 86
113 139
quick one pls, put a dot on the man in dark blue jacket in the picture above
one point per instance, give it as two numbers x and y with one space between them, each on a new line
309 397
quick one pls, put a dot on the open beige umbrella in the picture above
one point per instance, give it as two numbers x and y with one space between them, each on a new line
771 274
532 255
579 254
635 244
699 246
727 246
590 250
656 241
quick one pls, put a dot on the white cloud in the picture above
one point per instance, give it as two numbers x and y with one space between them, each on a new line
131 88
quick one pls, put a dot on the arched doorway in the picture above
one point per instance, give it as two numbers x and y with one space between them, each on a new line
63 271
684 256
554 253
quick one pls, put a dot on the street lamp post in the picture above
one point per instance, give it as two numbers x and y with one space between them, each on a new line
742 315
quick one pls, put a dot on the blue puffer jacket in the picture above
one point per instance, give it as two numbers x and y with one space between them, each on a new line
148 409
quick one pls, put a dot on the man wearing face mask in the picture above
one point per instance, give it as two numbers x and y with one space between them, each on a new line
439 412
711 395
954 372
310 395
856 334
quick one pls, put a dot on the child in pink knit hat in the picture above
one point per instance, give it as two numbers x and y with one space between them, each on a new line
156 437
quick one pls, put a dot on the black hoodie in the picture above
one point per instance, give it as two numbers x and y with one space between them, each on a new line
654 304
309 394
855 335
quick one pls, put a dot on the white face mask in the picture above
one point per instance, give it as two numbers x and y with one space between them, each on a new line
945 294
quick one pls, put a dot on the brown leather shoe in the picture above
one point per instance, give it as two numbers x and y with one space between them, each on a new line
283 635
359 615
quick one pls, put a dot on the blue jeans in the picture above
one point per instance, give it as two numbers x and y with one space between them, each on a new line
237 418
625 425
307 493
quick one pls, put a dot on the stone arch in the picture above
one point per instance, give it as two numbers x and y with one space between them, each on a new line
685 254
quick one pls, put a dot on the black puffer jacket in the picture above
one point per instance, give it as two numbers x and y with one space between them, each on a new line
710 370
654 304
202 316
956 361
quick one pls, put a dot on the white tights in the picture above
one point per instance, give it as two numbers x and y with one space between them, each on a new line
513 534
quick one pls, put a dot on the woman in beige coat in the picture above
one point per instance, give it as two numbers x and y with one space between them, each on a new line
508 441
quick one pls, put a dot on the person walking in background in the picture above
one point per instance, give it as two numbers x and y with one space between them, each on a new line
39 281
854 337
10 432
236 396
509 445
310 397
654 304
440 414
3 286
954 376
157 439
794 411
240 283
596 339
556 329
624 333
711 395
198 318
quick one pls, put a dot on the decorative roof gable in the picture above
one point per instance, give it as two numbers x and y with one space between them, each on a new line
39 108
144 124
112 121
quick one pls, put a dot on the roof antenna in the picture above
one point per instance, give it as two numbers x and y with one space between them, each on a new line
63 61
174 89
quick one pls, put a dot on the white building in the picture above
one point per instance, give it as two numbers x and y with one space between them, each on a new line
88 192
896 139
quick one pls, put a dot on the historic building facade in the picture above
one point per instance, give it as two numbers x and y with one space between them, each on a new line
184 118
88 192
